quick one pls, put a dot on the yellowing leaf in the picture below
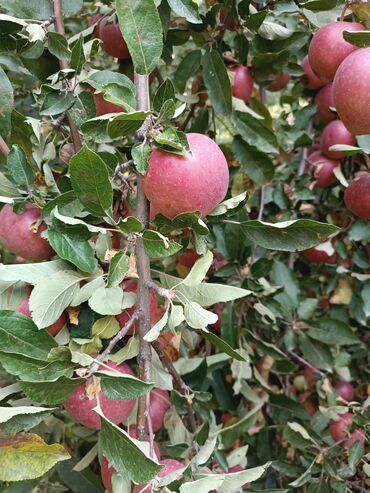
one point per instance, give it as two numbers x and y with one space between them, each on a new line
73 313
26 456
343 292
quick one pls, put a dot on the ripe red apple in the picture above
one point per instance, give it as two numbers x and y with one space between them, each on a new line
279 83
175 184
315 148
103 107
185 262
351 90
225 16
356 436
113 42
241 82
335 133
324 255
322 169
18 236
65 153
170 465
328 48
357 196
344 390
94 19
159 405
311 376
324 100
131 286
24 308
309 79
339 429
81 403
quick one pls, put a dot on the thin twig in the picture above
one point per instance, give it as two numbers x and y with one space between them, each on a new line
166 293
303 161
305 362
59 24
119 336
188 117
262 203
178 381
4 149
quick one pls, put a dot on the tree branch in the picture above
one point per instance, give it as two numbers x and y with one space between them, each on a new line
59 24
143 264
4 149
179 382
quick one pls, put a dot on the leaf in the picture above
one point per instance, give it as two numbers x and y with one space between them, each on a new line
51 392
272 31
90 181
221 345
118 268
332 331
19 167
56 103
255 133
142 30
105 327
78 56
52 295
172 140
21 418
31 273
176 317
288 236
188 66
298 436
26 456
130 224
318 356
165 92
318 5
19 335
154 332
79 481
230 205
140 155
126 123
6 103
7 188
217 82
358 38
124 455
253 162
58 45
39 9
107 301
199 270
197 317
187 9
33 370
120 386
156 245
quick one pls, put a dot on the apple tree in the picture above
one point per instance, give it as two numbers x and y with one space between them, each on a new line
184 277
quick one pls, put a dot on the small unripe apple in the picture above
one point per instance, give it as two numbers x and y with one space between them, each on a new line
344 390
357 196
300 383
309 79
131 286
175 184
81 403
351 90
113 42
18 236
241 82
159 405
322 169
322 254
65 153
339 429
24 308
279 83
324 101
335 133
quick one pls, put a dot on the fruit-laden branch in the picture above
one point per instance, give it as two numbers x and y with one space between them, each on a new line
119 336
59 24
179 382
4 149
143 264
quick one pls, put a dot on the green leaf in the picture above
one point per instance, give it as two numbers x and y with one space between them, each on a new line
188 66
19 167
90 182
21 418
31 273
167 112
19 335
6 103
52 295
78 56
107 301
105 327
31 369
26 456
117 88
118 267
255 133
217 82
79 481
358 38
154 332
142 30
58 45
124 455
289 405
172 140
254 163
197 317
165 92
39 9
56 103
51 392
157 245
199 270
317 355
288 236
274 31
298 436
230 206
120 386
130 224
7 189
221 345
187 9
333 332
318 5
126 123
140 154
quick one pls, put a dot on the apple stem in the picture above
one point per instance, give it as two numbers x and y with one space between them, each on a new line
342 14
59 24
4 149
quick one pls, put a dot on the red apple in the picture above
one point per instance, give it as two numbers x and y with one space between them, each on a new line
344 390
159 405
309 79
335 133
315 148
175 184
113 42
17 233
131 286
322 170
339 429
322 254
328 48
324 101
24 308
200 91
81 403
357 196
356 436
103 107
225 16
241 82
279 83
94 19
351 90
311 376
170 466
